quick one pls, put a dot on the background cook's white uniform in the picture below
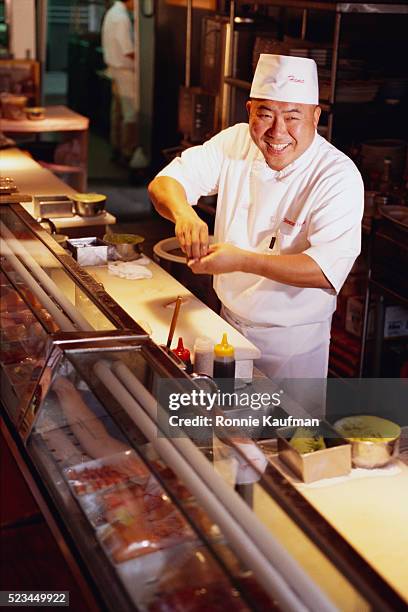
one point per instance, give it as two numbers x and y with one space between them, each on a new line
313 206
117 43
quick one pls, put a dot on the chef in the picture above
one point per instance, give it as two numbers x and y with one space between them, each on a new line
119 56
287 226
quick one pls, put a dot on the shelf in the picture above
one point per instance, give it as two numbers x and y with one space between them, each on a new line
324 104
376 285
335 7
246 85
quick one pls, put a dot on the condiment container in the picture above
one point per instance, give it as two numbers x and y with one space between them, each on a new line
374 440
204 356
88 251
184 354
329 462
123 247
224 365
35 113
55 206
89 204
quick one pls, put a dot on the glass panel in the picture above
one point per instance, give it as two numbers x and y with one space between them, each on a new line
23 254
23 347
147 524
241 464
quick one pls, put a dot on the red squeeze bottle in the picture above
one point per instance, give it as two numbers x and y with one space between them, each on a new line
183 354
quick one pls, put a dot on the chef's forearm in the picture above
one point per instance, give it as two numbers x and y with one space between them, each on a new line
298 270
169 198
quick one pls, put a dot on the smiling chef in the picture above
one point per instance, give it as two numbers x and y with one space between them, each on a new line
287 226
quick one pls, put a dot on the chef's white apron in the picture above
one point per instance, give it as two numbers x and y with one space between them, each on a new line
287 352
290 355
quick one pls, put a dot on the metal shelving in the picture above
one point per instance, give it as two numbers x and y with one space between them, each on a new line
338 8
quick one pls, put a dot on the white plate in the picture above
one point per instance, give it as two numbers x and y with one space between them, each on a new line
396 214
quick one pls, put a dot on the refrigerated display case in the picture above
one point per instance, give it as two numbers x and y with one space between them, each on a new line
155 522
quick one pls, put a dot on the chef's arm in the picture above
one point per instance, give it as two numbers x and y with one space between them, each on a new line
170 201
298 270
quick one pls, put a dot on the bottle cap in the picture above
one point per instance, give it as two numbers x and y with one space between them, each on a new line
204 344
224 349
181 351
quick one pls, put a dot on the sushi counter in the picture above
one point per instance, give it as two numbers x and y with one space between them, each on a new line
168 523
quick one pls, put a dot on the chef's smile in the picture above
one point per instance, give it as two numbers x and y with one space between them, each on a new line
277 149
282 131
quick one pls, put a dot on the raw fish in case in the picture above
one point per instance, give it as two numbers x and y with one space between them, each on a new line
106 472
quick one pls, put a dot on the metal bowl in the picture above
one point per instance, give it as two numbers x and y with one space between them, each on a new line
89 204
368 451
35 113
124 247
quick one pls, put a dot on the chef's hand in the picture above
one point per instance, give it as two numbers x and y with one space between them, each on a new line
221 258
192 234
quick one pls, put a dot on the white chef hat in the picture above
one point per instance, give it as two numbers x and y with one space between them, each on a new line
286 79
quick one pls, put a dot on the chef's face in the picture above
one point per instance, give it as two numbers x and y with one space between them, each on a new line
282 130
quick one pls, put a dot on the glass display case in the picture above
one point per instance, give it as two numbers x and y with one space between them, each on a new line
160 522
43 291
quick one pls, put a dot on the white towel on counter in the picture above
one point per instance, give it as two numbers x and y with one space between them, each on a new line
131 270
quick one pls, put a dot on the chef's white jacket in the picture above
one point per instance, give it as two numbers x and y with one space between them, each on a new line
312 206
117 37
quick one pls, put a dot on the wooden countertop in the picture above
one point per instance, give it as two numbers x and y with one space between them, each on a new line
145 301
57 119
370 512
31 178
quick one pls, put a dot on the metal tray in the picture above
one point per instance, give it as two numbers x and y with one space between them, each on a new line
88 251
330 462
54 206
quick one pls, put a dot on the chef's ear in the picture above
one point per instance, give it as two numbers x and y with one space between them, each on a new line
248 107
316 115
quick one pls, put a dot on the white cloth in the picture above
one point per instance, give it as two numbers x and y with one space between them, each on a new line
117 39
313 206
129 269
286 79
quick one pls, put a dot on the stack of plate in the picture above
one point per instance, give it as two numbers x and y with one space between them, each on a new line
356 91
299 52
322 57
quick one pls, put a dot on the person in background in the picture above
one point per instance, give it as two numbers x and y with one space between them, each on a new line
119 56
287 226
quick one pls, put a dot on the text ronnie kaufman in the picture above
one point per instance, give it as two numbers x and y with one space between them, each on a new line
248 421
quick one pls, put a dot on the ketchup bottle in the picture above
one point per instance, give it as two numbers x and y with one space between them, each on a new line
183 354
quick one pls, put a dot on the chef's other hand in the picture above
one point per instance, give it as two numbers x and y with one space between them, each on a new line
221 258
192 234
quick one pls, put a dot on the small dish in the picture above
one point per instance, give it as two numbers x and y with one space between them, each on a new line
35 113
374 440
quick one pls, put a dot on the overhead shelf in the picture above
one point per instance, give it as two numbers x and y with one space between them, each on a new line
335 7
